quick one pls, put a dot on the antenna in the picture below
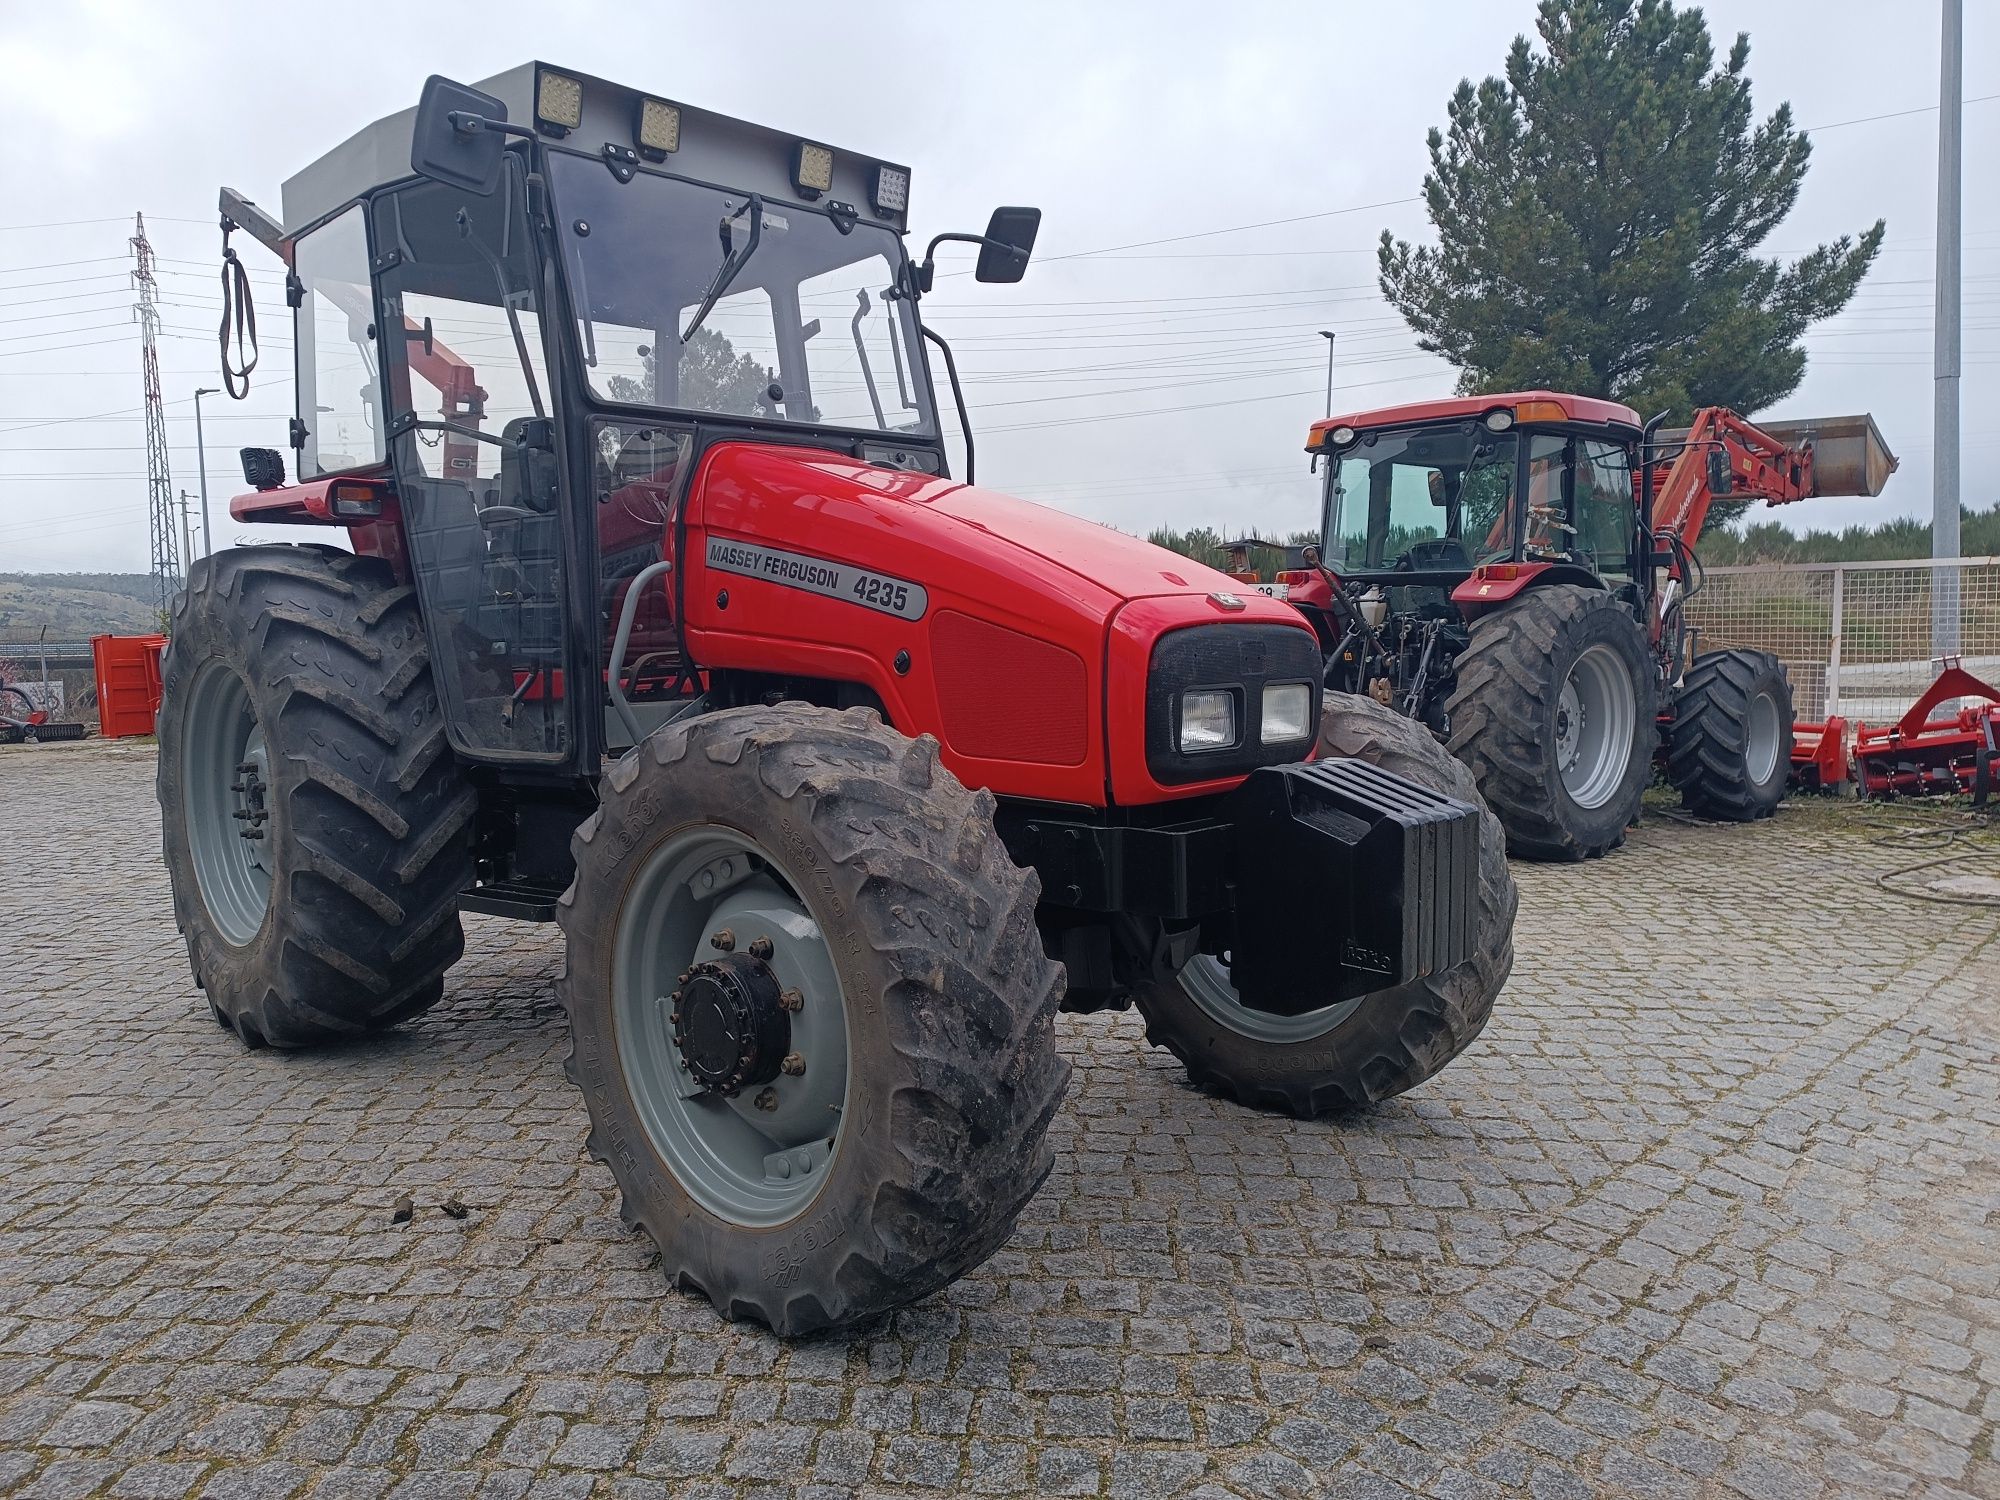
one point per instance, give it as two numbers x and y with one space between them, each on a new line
166 564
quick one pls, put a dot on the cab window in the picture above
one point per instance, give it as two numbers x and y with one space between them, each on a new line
336 349
469 396
1607 519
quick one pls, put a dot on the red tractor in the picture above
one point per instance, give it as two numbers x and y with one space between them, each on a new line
664 620
1512 570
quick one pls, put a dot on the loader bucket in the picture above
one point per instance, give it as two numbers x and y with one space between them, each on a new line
1849 456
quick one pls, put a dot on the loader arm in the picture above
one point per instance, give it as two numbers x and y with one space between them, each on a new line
1757 465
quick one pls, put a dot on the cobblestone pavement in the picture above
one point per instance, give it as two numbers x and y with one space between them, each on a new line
1713 1208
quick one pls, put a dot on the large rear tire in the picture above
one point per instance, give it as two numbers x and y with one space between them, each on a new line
1729 754
793 881
315 826
1554 710
1365 1050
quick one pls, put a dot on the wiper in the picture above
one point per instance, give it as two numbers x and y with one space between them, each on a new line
861 357
732 264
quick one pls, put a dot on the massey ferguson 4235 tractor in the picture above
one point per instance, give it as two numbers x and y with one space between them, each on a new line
1512 571
663 620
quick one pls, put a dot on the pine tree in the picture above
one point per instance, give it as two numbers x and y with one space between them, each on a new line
1598 213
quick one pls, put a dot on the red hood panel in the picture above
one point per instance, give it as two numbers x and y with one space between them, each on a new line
1121 566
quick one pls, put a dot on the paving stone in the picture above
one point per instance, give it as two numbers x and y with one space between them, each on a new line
1676 1225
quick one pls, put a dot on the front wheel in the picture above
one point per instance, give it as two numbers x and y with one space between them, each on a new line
809 1012
1360 1051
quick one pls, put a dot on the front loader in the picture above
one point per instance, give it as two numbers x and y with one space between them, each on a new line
1512 570
665 620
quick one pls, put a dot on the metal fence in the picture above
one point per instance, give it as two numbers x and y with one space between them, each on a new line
1857 637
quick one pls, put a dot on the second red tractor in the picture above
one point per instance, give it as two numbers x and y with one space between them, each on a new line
1513 571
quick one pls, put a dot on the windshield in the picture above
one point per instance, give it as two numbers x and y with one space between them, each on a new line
1429 498
810 327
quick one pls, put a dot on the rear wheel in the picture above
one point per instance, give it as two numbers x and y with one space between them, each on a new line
1359 1051
809 1012
1729 754
1554 710
314 824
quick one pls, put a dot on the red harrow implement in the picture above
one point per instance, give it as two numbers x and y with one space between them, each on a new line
1919 755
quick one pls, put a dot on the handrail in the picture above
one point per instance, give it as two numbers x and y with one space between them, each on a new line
626 616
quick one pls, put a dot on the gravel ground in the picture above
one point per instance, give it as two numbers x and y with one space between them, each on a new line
1712 1208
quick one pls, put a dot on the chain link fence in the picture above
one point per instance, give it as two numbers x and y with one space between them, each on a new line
1856 637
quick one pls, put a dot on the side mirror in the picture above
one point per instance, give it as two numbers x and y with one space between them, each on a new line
1010 240
529 476
451 142
1720 480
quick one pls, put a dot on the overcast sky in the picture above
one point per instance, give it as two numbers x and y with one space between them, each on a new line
1151 135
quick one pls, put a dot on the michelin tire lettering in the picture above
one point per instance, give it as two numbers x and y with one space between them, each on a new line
816 575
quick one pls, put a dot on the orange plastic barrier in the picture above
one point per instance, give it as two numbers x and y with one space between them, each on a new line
128 682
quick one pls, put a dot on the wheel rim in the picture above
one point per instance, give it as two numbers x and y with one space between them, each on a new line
1760 739
744 1162
226 775
1206 982
1596 717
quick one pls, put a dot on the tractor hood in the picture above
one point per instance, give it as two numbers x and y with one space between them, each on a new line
867 514
1025 639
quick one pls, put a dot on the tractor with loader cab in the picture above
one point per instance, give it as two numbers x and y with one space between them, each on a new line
1513 571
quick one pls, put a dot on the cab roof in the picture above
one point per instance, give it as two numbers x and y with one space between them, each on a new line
1573 409
714 148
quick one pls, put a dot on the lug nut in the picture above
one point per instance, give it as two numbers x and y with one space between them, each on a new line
793 1065
724 940
792 1001
760 948
766 1099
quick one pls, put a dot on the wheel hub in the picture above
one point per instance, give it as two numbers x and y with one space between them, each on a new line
251 812
731 1023
1570 724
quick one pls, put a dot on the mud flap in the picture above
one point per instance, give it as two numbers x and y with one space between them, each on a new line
1349 879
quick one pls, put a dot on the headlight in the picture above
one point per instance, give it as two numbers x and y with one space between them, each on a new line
1341 437
1208 720
1287 712
1499 419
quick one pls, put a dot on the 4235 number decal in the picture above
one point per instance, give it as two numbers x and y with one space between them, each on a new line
882 593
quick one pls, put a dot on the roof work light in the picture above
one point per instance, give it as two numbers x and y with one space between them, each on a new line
892 189
812 169
558 103
658 129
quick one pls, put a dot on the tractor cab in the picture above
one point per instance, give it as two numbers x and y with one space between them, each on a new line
524 311
1420 496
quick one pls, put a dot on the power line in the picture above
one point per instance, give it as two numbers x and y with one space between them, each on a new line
1894 114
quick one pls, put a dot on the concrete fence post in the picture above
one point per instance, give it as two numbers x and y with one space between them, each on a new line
1833 642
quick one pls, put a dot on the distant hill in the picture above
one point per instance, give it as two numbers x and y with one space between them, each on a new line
76 606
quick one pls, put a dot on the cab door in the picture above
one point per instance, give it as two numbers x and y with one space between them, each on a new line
472 425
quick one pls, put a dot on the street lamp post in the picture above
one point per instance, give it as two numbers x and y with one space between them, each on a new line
1328 336
201 457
